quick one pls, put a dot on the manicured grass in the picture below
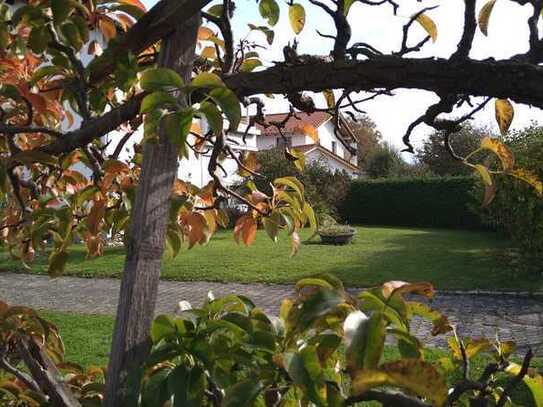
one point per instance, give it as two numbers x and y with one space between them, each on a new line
88 339
450 259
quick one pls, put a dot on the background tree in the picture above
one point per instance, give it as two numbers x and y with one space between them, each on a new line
384 161
437 158
367 135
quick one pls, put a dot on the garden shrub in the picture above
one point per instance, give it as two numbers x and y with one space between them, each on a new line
516 209
326 349
420 202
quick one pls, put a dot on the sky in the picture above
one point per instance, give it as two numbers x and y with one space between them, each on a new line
377 25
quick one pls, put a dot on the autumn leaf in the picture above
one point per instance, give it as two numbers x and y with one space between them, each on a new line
413 375
245 229
296 15
484 174
504 114
484 16
428 24
530 178
504 154
205 33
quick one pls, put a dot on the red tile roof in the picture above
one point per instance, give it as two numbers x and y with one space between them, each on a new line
293 124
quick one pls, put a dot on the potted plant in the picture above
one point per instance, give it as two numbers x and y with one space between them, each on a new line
332 232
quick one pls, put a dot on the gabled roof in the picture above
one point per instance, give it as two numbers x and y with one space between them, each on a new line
293 124
307 148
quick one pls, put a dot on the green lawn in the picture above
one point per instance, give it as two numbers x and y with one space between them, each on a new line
448 258
88 339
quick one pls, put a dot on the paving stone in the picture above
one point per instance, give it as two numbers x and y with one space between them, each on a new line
511 317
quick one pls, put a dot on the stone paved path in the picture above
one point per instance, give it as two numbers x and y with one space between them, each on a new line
513 317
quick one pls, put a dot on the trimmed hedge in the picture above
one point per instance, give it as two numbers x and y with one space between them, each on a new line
428 202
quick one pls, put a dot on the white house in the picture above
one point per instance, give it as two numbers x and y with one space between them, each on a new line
336 150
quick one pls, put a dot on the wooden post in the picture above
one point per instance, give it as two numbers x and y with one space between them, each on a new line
137 298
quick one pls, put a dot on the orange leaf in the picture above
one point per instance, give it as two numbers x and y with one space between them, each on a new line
107 27
401 287
197 228
246 229
136 3
205 33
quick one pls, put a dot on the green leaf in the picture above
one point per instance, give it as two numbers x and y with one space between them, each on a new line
296 16
57 262
155 392
367 342
216 10
269 9
311 218
4 36
305 370
160 79
156 100
293 183
44 71
187 386
177 126
243 393
347 6
72 35
250 64
207 80
39 38
61 10
229 103
213 116
163 327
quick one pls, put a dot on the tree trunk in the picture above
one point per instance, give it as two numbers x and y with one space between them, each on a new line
131 337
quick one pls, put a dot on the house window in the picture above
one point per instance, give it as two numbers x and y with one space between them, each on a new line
283 142
334 147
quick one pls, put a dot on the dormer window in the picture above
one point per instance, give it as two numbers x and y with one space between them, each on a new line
334 147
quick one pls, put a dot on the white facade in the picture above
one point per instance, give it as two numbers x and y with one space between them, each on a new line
330 151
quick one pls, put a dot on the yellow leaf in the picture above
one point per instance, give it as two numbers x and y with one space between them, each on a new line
209 53
504 114
484 16
401 287
530 178
295 243
483 172
296 16
428 24
533 380
497 147
330 98
311 131
413 375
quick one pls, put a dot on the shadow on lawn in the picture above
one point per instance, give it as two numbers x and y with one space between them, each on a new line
464 262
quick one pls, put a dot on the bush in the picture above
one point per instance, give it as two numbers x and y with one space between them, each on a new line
326 348
516 210
421 202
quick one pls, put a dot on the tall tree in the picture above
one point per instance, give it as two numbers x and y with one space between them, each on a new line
44 83
437 158
367 135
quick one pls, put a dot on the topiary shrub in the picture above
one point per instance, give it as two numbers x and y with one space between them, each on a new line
421 202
